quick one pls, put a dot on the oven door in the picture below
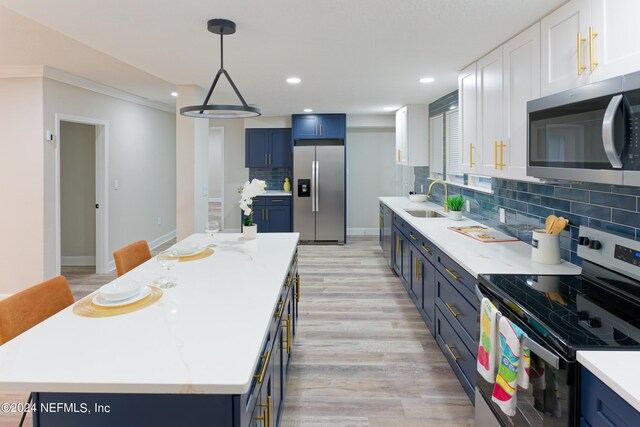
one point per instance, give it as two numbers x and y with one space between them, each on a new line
550 400
579 135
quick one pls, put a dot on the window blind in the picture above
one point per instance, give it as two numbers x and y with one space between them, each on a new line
436 125
454 144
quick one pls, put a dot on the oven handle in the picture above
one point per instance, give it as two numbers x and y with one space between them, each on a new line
608 132
538 349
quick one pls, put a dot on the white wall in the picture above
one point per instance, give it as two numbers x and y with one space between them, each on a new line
370 174
268 122
216 157
78 193
141 156
21 192
235 174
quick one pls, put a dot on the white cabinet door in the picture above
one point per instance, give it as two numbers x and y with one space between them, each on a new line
402 151
616 48
521 56
468 109
490 119
565 46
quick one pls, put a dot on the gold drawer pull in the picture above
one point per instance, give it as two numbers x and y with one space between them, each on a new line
277 201
426 249
453 274
398 239
418 262
581 67
450 348
592 64
450 307
266 414
288 326
260 376
470 155
412 236
297 288
279 313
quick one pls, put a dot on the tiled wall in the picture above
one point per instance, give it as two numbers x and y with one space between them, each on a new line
273 176
609 207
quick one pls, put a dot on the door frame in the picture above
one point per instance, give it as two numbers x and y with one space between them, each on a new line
102 189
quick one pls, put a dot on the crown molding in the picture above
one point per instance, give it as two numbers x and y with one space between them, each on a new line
44 71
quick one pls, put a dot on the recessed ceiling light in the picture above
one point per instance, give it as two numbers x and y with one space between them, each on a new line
307 110
174 93
293 80
427 80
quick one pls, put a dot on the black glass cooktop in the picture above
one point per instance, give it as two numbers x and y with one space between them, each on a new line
597 310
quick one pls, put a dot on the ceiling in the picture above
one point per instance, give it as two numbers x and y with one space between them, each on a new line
353 56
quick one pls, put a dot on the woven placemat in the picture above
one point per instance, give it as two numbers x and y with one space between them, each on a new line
206 253
86 308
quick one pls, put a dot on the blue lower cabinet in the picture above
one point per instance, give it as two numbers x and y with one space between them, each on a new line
461 314
272 214
462 361
602 407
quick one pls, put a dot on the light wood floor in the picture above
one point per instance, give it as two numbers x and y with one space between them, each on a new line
362 356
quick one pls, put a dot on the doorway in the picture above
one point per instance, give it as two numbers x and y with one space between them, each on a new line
216 175
81 193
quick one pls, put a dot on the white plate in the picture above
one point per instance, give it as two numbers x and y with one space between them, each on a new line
120 290
98 300
189 250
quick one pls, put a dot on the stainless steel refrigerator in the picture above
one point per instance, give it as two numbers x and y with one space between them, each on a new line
319 190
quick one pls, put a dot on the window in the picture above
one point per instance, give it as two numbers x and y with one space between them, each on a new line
454 147
436 137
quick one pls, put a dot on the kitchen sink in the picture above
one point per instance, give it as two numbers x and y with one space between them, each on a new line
424 213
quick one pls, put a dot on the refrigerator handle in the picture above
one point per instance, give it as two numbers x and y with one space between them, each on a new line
313 186
317 187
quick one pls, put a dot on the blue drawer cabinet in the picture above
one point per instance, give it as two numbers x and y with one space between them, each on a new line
272 214
462 361
268 148
461 314
319 126
458 276
602 407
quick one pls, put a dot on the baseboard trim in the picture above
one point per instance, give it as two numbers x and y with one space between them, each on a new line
152 245
362 231
77 260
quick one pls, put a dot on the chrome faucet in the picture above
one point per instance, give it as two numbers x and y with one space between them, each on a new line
446 192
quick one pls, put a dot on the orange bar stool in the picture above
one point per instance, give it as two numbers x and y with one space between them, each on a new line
131 256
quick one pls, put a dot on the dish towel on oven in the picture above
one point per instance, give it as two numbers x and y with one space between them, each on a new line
513 370
487 351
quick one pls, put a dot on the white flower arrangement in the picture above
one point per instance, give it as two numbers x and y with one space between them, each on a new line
248 191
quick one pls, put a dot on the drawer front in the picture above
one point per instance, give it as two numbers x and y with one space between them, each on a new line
462 315
259 201
459 277
278 200
602 407
427 248
428 294
457 354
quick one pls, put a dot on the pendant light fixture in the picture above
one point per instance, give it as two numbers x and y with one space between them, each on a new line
218 111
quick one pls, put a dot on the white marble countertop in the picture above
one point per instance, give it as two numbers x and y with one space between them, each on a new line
474 256
203 336
276 193
618 370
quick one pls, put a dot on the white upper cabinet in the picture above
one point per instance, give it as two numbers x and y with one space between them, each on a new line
586 41
412 138
616 47
467 104
564 44
521 61
489 113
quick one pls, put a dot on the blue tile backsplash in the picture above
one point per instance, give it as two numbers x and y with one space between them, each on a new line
273 176
609 207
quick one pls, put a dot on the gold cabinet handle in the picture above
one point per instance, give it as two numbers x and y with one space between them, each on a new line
267 214
289 280
581 67
288 326
592 35
266 414
470 155
380 221
413 237
418 264
502 145
398 154
452 274
281 305
320 129
450 307
450 348
266 160
297 288
262 210
269 410
426 249
260 376
398 239
277 201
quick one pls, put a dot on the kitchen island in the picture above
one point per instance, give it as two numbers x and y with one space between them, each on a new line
214 350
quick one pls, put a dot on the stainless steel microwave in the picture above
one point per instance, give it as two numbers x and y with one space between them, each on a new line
587 134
